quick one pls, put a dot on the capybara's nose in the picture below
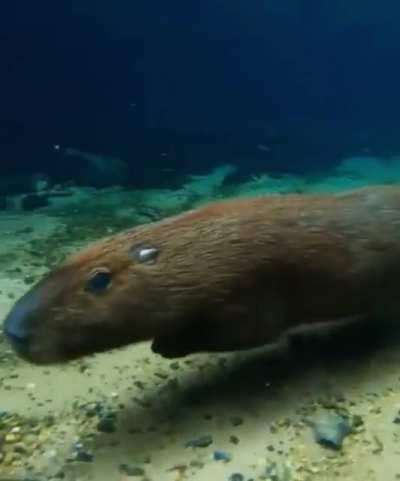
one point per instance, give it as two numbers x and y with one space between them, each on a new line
18 323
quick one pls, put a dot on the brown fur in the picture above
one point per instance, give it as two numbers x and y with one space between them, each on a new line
232 275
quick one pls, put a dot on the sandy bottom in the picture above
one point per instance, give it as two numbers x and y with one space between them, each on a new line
131 415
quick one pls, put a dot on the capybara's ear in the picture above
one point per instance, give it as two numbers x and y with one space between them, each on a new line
144 253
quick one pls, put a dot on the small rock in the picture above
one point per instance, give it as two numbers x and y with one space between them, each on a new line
236 421
200 442
330 430
378 445
20 448
107 425
271 472
83 456
80 453
28 280
356 421
131 470
222 456
236 477
181 468
11 438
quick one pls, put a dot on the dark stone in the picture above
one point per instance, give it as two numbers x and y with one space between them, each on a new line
330 430
236 477
106 425
201 442
356 421
222 456
131 470
83 456
28 280
236 421
271 472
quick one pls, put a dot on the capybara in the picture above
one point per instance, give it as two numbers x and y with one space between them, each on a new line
228 276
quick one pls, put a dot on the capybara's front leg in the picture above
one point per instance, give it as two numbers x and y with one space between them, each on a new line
191 338
214 337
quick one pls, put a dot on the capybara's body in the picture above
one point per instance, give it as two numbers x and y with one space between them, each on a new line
228 276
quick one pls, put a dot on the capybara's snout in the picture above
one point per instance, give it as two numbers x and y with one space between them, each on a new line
19 324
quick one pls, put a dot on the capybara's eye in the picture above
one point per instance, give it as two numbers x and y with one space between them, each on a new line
99 281
145 254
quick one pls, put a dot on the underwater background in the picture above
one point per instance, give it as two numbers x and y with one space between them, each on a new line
172 88
119 113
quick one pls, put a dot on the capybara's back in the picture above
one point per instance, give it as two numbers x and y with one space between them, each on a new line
231 275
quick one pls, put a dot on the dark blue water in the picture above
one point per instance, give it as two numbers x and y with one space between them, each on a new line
267 85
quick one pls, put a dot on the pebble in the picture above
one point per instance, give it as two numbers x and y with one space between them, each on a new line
330 430
356 421
236 477
222 456
107 425
236 421
271 472
11 438
131 470
200 442
83 456
20 448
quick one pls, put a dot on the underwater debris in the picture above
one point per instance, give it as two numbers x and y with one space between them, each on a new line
222 456
200 442
396 420
236 421
330 429
81 454
275 472
236 477
131 470
180 468
107 425
271 472
378 445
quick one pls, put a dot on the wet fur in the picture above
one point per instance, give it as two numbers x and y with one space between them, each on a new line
231 275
